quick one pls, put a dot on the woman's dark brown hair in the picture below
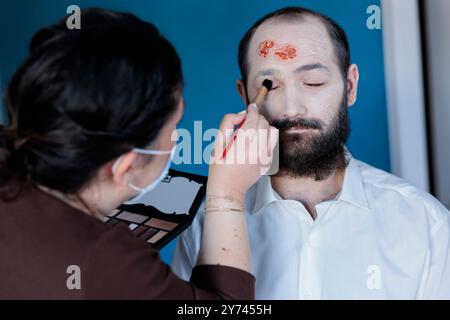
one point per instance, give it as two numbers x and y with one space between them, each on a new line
84 97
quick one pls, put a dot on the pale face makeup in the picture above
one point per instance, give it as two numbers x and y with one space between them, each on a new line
298 57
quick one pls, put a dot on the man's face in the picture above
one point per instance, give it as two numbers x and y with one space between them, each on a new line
308 102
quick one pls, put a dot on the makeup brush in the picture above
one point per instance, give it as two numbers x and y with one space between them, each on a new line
265 88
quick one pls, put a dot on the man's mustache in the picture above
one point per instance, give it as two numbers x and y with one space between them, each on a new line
299 123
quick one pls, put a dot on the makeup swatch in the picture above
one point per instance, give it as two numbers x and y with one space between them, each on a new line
157 237
147 228
133 217
160 224
164 212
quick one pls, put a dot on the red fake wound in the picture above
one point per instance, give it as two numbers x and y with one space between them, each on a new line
281 51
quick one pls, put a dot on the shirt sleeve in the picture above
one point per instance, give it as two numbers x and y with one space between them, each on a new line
187 248
121 266
437 281
183 259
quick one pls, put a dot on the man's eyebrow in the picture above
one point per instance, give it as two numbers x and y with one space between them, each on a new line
314 66
266 72
306 67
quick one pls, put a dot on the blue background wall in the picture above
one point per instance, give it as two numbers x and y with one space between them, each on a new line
206 34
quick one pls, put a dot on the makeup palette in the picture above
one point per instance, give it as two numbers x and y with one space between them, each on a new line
164 212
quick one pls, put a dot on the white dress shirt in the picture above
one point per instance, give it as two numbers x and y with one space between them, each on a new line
380 238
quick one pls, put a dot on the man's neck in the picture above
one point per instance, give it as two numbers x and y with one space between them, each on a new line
309 191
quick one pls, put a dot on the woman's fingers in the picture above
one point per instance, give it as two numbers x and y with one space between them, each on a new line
226 131
231 119
252 117
253 142
248 157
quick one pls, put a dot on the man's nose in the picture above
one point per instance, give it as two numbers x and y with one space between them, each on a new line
294 104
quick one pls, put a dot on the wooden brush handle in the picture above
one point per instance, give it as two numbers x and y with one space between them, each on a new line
258 100
260 97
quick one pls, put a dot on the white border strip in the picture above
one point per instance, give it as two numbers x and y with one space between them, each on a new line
405 94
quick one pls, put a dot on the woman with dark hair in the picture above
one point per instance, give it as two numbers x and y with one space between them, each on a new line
91 117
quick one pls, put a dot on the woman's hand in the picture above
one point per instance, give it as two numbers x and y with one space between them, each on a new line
249 156
225 239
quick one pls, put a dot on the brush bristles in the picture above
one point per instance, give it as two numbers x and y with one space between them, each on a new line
268 84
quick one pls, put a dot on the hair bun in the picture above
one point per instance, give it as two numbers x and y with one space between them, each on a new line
6 151
40 38
6 139
12 167
9 157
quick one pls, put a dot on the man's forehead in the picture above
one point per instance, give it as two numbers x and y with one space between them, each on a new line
307 37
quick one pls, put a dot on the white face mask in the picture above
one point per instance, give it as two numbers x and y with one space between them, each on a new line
152 185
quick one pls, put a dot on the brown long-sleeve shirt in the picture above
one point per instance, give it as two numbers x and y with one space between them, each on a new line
49 249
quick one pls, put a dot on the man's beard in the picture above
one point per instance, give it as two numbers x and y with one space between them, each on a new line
313 153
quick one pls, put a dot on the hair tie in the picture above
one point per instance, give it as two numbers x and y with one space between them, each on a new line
19 143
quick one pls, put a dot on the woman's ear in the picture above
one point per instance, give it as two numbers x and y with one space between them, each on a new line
241 89
122 166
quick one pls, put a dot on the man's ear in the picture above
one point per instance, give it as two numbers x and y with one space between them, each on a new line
352 84
241 89
121 166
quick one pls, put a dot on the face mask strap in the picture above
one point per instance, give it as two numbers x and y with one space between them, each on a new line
152 152
135 188
152 185
142 151
114 167
132 186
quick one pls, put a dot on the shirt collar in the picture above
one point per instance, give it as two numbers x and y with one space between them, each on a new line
265 194
353 186
352 189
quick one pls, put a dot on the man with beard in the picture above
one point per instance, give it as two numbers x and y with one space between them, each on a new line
326 226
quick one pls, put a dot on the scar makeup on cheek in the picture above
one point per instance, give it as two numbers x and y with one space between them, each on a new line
283 51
